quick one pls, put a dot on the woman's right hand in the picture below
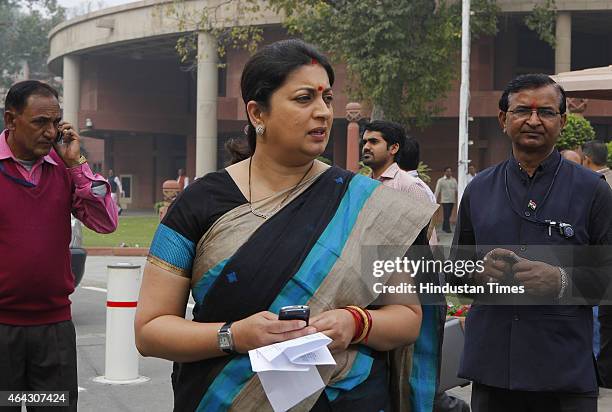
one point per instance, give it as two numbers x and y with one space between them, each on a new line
264 328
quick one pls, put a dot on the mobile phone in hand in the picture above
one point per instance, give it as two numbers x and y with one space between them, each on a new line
59 139
299 312
511 259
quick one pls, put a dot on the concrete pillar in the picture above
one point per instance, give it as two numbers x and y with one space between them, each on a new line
353 115
72 89
563 40
190 157
206 108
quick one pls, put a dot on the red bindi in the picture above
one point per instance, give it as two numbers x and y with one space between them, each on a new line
320 88
534 106
314 61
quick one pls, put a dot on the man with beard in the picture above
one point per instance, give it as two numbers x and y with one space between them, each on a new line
381 145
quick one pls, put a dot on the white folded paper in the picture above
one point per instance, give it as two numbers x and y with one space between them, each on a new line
287 370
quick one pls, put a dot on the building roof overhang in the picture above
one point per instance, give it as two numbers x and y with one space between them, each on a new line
142 29
595 83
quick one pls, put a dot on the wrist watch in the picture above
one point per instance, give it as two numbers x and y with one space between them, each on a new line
82 159
225 340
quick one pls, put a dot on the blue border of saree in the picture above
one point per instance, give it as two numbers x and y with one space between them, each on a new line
299 289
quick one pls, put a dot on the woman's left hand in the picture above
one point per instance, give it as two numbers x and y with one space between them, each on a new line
338 324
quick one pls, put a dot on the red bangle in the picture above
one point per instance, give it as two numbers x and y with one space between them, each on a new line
364 322
359 325
365 340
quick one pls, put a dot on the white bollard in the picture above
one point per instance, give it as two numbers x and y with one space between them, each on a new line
121 362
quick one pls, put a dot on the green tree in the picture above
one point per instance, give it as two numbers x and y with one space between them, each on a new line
609 144
24 26
226 20
401 55
542 21
576 132
423 170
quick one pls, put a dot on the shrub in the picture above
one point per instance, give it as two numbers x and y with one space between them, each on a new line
423 171
576 132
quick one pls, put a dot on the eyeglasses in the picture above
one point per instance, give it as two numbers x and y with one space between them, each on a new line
543 113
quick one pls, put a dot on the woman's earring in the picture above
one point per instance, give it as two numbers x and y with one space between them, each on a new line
260 129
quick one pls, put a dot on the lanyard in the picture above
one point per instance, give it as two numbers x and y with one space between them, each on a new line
565 229
17 180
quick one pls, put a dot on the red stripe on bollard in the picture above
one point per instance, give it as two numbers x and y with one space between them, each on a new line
110 304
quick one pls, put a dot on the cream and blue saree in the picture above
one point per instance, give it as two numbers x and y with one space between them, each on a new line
308 252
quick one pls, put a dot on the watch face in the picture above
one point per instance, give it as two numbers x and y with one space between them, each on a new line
224 341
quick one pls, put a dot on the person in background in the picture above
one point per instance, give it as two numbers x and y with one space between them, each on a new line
471 174
595 157
43 179
182 179
116 188
382 144
408 161
238 150
572 156
446 191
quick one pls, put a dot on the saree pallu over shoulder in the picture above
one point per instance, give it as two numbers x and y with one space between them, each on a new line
309 252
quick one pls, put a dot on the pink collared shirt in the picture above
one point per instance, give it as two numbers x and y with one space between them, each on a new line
423 185
97 212
399 179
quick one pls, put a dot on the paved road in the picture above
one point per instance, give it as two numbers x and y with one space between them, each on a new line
89 314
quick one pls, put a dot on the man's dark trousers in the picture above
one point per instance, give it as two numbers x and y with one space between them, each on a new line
490 399
448 209
39 358
604 361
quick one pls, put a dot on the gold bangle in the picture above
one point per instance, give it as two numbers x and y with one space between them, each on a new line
366 324
82 160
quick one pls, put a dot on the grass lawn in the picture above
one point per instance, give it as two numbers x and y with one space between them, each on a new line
132 230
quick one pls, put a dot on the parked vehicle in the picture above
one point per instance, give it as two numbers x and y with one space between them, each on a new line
77 253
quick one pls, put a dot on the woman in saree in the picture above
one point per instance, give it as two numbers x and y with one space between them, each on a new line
282 228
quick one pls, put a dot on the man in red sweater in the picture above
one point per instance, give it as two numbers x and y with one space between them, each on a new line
43 179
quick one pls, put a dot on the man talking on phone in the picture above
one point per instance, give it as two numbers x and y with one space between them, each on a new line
43 179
